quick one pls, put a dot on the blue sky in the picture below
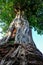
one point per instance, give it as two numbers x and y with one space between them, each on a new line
38 39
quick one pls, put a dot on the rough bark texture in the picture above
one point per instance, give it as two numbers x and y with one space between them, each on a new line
24 53
20 54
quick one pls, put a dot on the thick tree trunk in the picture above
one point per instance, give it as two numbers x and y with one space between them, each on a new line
24 51
20 54
19 19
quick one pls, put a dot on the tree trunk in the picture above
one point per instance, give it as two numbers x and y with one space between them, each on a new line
19 19
20 54
23 51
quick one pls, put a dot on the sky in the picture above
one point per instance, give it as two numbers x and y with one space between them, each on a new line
38 39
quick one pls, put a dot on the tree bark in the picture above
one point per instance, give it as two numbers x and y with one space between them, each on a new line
20 53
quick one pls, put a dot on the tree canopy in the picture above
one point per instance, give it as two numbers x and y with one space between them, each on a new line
33 10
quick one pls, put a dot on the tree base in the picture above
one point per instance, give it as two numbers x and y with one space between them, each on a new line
20 54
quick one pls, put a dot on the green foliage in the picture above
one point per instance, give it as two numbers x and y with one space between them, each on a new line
33 10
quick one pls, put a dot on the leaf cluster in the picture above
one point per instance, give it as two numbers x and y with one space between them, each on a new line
33 10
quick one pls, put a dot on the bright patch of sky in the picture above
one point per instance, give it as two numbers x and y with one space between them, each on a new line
38 39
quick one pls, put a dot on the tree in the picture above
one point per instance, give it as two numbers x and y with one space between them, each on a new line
33 10
28 14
